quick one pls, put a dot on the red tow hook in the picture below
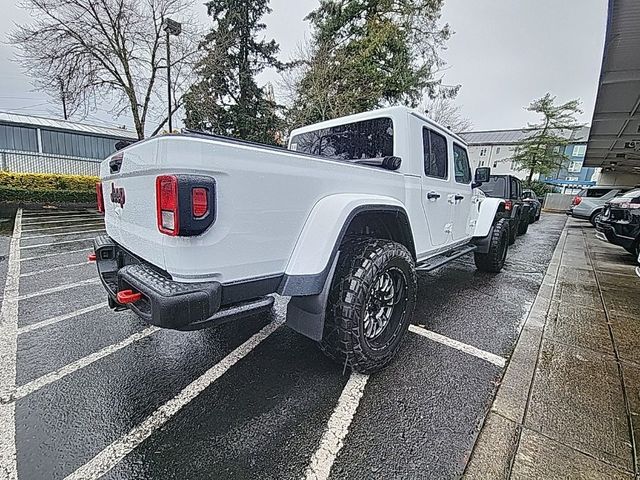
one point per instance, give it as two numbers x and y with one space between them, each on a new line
91 257
128 296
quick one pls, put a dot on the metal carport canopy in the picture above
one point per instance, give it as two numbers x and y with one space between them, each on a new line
614 142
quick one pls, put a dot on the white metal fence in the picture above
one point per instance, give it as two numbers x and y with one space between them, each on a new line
30 162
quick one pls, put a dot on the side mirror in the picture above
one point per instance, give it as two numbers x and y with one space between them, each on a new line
483 174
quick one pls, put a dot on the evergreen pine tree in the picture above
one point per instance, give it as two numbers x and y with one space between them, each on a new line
226 99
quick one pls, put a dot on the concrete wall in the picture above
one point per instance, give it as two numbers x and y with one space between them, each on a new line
617 178
557 202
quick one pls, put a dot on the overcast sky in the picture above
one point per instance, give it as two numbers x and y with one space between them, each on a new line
504 53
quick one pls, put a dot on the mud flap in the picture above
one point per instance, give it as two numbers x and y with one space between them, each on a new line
305 314
483 244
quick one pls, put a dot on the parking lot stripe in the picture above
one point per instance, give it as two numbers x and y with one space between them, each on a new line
47 255
34 385
57 243
46 229
59 215
118 450
463 347
59 288
76 232
53 269
60 318
337 428
70 220
8 352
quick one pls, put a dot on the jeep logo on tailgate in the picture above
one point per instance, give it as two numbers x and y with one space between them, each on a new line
117 195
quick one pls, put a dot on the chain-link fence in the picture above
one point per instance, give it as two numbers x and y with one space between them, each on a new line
29 162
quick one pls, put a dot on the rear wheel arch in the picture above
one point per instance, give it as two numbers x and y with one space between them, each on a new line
383 221
386 223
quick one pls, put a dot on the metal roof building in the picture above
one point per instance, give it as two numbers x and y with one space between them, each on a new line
64 125
515 136
44 145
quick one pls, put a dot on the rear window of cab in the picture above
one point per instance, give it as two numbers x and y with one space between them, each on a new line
366 139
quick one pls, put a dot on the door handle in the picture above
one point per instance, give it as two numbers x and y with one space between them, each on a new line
459 198
433 195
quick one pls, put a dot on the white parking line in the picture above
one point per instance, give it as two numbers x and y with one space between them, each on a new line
60 318
60 288
337 428
8 351
54 213
46 229
26 247
34 385
54 269
77 232
83 219
118 450
463 347
47 218
47 255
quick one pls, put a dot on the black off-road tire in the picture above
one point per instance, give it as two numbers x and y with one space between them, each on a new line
512 228
361 262
523 225
493 261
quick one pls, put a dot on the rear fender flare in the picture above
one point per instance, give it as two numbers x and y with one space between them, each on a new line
318 244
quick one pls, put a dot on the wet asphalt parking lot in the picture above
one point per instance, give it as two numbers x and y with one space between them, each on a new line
99 393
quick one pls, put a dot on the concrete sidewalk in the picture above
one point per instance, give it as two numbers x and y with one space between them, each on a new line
569 402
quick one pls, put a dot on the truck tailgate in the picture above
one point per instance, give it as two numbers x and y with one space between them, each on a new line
128 185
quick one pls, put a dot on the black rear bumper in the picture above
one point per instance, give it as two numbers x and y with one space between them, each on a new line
164 302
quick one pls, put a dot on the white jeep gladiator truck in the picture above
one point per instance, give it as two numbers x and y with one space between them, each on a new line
201 229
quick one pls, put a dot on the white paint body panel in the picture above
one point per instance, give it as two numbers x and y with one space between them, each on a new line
487 208
277 211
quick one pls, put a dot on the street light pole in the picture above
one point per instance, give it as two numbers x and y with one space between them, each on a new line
169 82
171 27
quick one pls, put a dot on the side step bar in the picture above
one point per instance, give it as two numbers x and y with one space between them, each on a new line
439 261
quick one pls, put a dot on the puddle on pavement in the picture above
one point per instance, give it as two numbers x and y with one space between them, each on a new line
7 216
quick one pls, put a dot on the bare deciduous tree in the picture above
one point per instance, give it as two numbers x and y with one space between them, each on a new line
447 114
105 50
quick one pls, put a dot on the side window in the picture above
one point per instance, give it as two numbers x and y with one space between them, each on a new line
436 158
514 188
461 164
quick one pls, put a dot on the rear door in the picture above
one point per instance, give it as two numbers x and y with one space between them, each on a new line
437 188
463 198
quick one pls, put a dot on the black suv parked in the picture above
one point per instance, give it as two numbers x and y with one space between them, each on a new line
517 211
531 199
620 222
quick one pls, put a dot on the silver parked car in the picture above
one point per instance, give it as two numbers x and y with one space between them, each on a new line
589 203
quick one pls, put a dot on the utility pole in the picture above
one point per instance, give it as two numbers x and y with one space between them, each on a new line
63 97
171 27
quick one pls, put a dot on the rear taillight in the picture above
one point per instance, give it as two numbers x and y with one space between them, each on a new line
576 200
508 205
167 204
100 197
199 202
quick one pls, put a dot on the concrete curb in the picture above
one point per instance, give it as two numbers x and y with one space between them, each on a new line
497 443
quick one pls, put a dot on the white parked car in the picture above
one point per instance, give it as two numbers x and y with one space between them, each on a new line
202 229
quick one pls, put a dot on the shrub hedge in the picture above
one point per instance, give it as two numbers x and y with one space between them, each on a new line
47 188
48 181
